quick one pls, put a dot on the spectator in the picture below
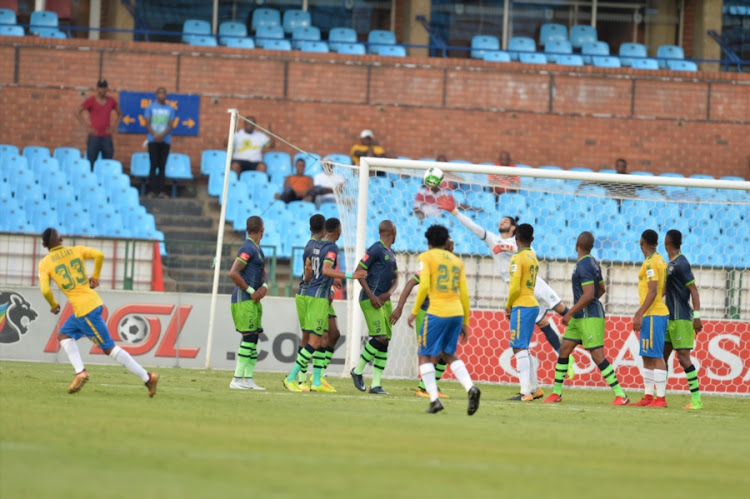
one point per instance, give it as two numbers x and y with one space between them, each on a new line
501 184
160 118
99 124
425 203
367 147
621 191
326 185
296 187
249 145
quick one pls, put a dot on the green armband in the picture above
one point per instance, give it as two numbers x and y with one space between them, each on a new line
697 314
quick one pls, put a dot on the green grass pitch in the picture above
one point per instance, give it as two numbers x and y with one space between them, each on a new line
197 438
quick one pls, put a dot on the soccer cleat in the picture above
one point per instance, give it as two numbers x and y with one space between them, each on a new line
539 393
443 395
378 390
304 386
153 379
359 382
553 399
322 388
250 384
571 367
292 386
620 401
517 397
435 407
658 402
694 404
647 399
421 392
474 394
328 386
80 380
238 384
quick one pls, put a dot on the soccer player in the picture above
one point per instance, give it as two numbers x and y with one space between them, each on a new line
379 262
585 321
396 315
522 309
447 319
249 277
650 321
502 246
684 322
319 273
66 267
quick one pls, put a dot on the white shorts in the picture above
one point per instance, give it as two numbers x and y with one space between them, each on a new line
546 297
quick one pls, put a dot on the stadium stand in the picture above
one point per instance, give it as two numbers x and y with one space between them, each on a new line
231 30
498 56
630 51
581 33
240 43
481 44
193 28
303 34
42 19
519 44
341 36
665 52
552 32
294 19
377 38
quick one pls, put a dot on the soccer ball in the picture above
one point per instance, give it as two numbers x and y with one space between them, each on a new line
133 329
433 177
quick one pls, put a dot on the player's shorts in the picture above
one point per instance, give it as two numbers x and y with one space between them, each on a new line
246 165
418 321
588 331
247 316
300 302
653 332
522 321
316 318
546 297
378 319
90 325
680 334
331 311
439 335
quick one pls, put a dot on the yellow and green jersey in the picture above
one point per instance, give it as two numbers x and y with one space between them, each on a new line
654 268
443 278
66 266
523 270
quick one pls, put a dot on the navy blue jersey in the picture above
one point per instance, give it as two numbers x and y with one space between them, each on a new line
679 277
254 272
306 253
426 303
320 285
587 271
380 263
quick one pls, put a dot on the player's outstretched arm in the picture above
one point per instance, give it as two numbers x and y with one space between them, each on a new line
396 314
329 271
448 203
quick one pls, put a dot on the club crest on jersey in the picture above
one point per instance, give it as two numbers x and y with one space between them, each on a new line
513 267
15 315
650 273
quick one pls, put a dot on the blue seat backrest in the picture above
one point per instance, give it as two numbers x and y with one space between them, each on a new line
480 44
582 33
265 17
294 19
550 32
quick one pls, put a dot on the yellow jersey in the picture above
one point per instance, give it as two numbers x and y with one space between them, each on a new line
443 278
376 150
66 267
654 268
524 267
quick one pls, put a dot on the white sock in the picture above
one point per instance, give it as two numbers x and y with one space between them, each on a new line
427 371
462 375
523 364
648 381
534 366
660 379
129 363
74 356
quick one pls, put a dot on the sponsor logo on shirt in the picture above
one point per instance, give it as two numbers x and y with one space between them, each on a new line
244 256
366 257
650 273
513 267
502 248
330 255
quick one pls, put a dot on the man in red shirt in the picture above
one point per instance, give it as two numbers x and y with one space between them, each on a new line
99 125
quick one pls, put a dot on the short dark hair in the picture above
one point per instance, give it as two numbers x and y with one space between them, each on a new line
47 235
332 224
525 233
650 237
675 238
254 224
513 220
437 236
586 240
102 84
317 222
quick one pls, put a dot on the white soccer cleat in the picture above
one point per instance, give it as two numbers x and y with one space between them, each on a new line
250 385
239 384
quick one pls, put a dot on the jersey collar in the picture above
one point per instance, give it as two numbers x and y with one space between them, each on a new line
253 240
585 256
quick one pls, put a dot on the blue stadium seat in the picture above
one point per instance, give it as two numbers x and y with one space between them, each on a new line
203 41
304 34
265 17
266 34
682 66
277 161
106 166
140 167
340 36
264 194
216 182
342 159
41 19
16 169
556 48
594 48
481 44
606 61
285 45
665 52
33 152
8 150
63 154
630 51
644 64
569 60
518 44
177 168
377 38
50 33
231 30
319 47
251 177
213 159
351 48
11 30
552 32
532 58
240 43
42 166
76 167
237 190
497 56
392 51
83 183
7 16
582 33
294 19
193 28
312 162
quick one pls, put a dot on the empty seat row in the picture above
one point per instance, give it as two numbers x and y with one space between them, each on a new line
42 23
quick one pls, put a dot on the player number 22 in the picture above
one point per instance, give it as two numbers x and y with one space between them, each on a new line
445 275
533 270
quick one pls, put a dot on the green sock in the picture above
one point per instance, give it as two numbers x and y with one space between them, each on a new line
440 369
692 378
303 371
368 353
303 358
378 366
561 369
608 373
253 347
319 360
329 355
243 359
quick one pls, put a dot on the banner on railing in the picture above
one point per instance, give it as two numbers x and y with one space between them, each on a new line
134 104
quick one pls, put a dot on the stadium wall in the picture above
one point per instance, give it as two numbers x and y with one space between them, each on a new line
419 107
